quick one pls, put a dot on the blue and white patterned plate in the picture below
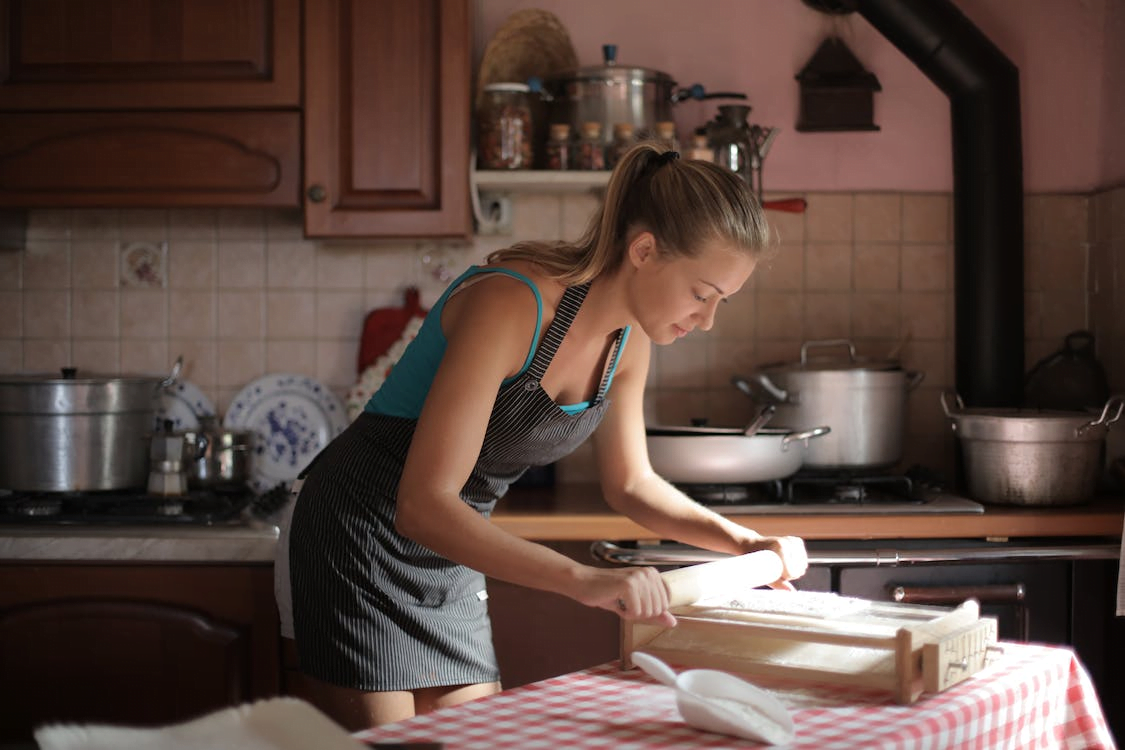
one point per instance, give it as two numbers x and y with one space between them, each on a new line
183 403
292 417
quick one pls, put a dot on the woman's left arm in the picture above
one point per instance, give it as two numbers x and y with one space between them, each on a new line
632 488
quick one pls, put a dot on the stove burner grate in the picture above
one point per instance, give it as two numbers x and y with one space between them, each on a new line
198 507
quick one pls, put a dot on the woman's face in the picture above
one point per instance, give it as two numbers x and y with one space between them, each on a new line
671 297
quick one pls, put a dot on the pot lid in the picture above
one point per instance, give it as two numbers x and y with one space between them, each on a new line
611 70
832 361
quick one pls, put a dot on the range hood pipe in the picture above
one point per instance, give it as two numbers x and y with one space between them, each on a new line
983 90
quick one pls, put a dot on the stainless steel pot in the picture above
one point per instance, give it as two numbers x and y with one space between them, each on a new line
76 431
215 456
613 93
1031 456
717 455
863 401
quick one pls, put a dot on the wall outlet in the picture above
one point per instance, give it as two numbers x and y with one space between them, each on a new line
495 214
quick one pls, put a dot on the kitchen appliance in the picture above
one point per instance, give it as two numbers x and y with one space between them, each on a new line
724 622
738 145
205 507
862 400
76 431
1032 456
611 93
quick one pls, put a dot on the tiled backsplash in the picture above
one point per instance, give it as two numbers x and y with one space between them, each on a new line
240 293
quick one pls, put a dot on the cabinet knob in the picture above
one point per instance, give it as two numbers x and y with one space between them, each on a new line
317 193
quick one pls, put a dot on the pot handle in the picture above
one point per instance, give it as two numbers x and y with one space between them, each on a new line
174 375
1115 404
805 435
945 404
828 342
780 395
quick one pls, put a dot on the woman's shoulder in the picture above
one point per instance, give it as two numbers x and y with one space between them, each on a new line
513 279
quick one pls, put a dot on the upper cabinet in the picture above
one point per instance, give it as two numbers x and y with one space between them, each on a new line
150 103
153 103
387 107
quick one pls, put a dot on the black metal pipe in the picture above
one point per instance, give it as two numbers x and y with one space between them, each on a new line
983 90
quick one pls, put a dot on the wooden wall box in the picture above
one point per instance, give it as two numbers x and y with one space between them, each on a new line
836 92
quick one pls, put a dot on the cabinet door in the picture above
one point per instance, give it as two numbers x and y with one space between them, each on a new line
139 645
387 108
149 54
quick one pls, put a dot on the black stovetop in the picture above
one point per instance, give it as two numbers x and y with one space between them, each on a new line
124 507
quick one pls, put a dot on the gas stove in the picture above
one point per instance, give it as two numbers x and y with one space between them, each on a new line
125 507
915 491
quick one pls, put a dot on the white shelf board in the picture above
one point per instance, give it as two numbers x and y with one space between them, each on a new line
539 180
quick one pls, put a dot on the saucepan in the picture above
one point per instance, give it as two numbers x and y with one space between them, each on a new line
727 455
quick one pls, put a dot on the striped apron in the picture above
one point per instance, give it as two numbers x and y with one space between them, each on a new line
373 610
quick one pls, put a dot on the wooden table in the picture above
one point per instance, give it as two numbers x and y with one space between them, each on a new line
1030 696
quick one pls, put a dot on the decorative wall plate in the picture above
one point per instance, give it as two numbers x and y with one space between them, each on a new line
293 418
184 404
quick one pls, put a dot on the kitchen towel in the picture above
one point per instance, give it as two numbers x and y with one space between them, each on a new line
273 724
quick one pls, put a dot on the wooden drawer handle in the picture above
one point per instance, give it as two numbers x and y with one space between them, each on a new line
1001 593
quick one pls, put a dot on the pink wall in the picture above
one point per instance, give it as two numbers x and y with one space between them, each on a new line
1073 112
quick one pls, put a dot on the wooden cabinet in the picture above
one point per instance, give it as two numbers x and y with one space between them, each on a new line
387 107
150 103
133 644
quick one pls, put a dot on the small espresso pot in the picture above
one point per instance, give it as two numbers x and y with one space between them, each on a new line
215 457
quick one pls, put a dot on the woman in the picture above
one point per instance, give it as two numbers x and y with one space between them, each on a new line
516 364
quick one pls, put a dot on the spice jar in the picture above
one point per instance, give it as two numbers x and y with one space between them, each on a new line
700 148
591 150
623 140
666 135
559 149
504 127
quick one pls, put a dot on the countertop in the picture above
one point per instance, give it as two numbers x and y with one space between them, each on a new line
567 512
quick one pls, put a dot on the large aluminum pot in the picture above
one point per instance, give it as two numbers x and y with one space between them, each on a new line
863 401
217 457
76 431
718 455
1031 456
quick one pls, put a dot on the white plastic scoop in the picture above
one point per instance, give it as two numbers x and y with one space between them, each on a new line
715 701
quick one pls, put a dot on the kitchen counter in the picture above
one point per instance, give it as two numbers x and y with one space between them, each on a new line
239 543
567 512
575 512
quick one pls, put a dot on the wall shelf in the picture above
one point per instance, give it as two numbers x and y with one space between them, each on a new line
490 190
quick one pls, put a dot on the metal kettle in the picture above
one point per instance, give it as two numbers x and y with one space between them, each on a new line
738 145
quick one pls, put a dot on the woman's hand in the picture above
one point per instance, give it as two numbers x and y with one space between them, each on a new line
636 593
794 558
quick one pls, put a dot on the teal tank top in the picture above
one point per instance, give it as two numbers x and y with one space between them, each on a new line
404 391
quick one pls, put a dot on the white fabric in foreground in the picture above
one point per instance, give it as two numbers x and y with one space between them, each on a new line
274 724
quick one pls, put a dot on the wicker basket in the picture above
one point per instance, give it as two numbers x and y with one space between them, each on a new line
530 42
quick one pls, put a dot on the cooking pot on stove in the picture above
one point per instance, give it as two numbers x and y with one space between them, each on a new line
862 400
727 455
1031 456
76 431
215 456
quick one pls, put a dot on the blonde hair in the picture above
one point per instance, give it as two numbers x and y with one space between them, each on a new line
684 203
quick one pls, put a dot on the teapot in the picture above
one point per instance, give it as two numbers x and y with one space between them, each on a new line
738 145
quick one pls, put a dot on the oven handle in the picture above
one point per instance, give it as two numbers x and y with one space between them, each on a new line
888 557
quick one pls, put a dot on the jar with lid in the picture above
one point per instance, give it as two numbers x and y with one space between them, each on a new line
665 133
700 148
624 137
591 149
504 127
559 149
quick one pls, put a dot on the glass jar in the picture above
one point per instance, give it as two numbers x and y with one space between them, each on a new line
665 133
591 149
624 137
700 148
559 149
504 127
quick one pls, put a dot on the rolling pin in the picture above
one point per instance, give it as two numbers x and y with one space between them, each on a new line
722 577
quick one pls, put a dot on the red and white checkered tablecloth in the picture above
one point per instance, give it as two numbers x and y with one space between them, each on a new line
1030 697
